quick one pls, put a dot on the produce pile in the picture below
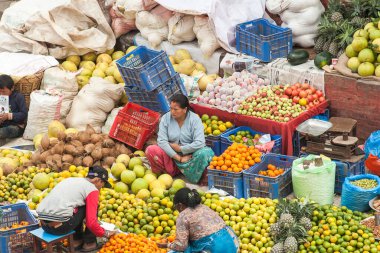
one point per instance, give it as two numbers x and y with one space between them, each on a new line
236 158
281 103
364 49
213 126
229 93
60 148
340 21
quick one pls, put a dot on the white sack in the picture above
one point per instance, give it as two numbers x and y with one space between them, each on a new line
181 28
153 25
207 40
44 107
110 119
93 103
277 6
63 81
58 28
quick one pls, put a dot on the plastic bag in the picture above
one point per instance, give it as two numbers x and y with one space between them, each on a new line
357 198
45 106
110 119
93 103
316 183
63 81
372 144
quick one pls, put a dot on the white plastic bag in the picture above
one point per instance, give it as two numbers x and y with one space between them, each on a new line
63 81
207 39
93 103
181 28
45 106
154 25
110 119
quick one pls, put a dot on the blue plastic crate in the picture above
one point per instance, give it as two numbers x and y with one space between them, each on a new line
145 68
213 142
325 116
159 99
256 185
263 40
18 239
228 181
225 141
343 170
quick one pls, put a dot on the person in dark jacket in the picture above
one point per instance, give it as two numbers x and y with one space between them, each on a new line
12 124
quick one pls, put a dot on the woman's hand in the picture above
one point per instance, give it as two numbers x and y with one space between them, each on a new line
186 158
162 245
175 147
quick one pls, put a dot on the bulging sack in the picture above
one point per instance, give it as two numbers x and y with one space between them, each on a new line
357 198
315 183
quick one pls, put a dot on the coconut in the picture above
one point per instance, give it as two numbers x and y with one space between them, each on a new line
36 157
108 143
90 130
84 138
44 156
108 161
45 142
70 149
77 161
95 138
66 158
61 136
89 148
106 152
76 143
96 154
88 161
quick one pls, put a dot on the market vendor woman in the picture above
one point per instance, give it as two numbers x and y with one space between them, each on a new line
198 228
181 143
69 203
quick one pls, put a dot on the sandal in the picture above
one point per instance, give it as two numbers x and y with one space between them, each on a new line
98 246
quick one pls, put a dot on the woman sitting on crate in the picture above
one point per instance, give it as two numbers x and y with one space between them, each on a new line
199 228
181 143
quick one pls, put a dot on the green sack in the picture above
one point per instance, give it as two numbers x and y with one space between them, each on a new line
316 183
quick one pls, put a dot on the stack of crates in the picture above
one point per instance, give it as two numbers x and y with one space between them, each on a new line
17 239
150 79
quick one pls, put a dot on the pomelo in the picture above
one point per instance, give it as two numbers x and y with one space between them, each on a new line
158 192
166 180
128 176
121 187
134 161
156 184
117 169
143 194
41 181
139 170
139 184
149 177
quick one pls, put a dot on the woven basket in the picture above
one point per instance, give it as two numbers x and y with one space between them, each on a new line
28 84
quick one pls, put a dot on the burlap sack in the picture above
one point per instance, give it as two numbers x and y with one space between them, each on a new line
342 68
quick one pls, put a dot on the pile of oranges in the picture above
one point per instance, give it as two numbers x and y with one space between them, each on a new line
130 243
272 171
236 158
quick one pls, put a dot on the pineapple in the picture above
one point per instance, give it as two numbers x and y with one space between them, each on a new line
286 220
275 229
278 248
291 245
334 48
336 17
306 223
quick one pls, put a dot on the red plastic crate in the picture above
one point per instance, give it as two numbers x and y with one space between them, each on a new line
134 125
